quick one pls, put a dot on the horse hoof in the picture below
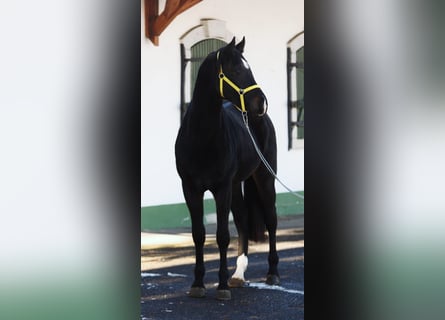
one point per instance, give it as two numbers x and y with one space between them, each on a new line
197 292
223 295
236 283
272 279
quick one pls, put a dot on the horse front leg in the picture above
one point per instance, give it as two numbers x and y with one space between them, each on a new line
194 201
223 200
240 216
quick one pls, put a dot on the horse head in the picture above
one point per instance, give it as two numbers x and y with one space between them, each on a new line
236 82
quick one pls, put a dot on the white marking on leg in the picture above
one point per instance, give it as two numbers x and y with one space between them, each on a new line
241 267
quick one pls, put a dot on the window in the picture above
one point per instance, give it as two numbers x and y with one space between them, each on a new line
199 52
196 44
295 91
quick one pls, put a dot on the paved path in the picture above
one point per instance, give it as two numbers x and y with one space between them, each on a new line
167 262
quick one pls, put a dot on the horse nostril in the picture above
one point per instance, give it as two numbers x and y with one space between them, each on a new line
265 106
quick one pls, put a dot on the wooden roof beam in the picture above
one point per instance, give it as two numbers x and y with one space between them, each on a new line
156 23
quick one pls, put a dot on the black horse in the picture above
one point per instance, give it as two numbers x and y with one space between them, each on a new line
214 152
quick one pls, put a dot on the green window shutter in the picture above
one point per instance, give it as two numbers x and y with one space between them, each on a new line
199 52
300 93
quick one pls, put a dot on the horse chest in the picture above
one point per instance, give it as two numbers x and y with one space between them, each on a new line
207 162
214 163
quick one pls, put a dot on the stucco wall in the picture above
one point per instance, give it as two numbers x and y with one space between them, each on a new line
267 29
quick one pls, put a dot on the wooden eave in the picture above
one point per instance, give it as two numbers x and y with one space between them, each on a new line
155 22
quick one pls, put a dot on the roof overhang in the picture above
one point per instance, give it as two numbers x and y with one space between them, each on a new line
155 22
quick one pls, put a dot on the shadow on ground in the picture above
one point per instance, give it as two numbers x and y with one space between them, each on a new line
168 275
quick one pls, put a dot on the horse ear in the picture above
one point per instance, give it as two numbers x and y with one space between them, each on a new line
240 46
232 43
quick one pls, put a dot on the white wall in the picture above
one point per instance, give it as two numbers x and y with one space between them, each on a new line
267 29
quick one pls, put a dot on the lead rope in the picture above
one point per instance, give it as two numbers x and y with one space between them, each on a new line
266 164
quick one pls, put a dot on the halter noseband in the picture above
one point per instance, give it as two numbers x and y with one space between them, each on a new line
240 91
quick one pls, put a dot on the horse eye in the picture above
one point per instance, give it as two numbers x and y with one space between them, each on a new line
239 68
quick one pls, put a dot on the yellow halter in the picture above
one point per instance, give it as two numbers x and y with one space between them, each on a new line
240 91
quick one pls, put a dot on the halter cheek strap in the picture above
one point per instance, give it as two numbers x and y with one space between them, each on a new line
240 91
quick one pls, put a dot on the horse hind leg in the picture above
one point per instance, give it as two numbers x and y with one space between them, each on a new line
194 203
255 212
266 190
240 216
272 277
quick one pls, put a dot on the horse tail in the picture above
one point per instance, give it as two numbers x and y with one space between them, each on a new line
257 226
